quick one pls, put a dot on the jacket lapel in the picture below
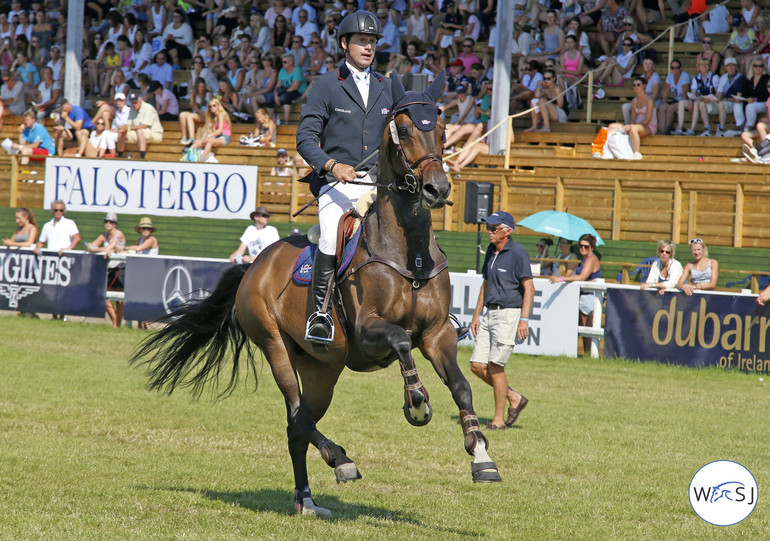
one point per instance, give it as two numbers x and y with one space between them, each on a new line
349 85
376 86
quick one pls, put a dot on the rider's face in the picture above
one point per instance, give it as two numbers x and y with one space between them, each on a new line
360 51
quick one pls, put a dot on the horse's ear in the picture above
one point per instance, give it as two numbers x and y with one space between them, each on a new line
436 88
398 87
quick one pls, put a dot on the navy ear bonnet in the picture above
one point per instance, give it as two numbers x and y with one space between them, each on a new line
423 109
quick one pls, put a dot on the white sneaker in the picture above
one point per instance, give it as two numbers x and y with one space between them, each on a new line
705 133
637 156
689 132
739 160
732 133
211 159
677 131
182 140
750 152
720 133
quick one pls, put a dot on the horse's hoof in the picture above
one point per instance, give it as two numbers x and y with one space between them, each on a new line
485 472
307 507
347 472
418 416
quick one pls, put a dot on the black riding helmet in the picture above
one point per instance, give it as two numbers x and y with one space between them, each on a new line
359 22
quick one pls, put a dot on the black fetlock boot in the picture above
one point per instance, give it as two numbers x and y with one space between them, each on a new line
320 326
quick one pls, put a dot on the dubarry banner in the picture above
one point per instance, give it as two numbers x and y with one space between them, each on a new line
702 330
201 190
72 284
155 285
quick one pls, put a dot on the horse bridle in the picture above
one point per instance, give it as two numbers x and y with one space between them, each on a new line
412 183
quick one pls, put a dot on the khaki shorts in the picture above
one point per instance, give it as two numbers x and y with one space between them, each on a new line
149 136
496 336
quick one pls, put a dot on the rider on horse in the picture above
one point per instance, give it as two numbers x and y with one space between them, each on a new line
341 125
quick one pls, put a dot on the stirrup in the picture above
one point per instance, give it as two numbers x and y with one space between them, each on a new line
319 319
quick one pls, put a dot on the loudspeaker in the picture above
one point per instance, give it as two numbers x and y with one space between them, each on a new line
416 82
478 201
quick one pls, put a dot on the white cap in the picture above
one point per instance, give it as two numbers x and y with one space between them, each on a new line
120 96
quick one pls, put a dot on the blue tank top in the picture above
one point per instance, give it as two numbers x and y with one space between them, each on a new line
594 276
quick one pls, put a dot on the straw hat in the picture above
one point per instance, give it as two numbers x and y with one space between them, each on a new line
146 221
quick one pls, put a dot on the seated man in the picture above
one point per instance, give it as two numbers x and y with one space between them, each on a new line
144 127
523 92
34 139
75 125
256 238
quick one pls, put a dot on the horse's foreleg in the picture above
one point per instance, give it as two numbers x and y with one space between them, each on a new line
378 338
440 349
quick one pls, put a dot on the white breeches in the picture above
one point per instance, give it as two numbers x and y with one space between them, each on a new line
333 203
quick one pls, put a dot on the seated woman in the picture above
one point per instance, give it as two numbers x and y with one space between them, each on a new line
702 99
546 110
703 272
612 71
565 253
189 119
644 116
264 129
589 269
147 243
571 60
291 83
26 234
101 141
666 271
543 245
112 240
217 131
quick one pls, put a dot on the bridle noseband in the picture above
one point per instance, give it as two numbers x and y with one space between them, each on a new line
412 182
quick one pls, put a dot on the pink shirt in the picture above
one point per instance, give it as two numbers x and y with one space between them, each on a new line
468 61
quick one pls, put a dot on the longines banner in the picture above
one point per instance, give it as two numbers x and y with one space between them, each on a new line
73 283
552 324
701 330
155 285
201 190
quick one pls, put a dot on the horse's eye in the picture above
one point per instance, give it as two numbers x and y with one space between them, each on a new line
404 131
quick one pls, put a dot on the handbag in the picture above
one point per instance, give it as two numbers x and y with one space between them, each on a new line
692 34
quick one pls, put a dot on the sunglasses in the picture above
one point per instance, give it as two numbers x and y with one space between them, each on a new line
676 67
664 252
492 229
638 84
627 44
757 66
696 241
58 210
261 216
110 222
707 42
329 62
547 78
467 46
541 245
100 123
584 246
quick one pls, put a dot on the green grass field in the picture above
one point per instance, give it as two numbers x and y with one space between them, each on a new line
605 450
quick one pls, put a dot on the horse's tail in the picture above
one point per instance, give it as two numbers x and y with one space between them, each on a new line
189 351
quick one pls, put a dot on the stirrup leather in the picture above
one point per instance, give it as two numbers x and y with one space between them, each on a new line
318 319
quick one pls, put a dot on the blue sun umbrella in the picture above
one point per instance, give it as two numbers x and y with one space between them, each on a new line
559 224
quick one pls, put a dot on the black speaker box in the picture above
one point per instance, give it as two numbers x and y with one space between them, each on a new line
478 201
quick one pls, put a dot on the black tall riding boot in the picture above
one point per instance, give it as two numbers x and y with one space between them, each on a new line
320 326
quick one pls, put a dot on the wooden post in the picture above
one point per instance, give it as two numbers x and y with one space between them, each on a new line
617 207
676 228
755 284
590 97
692 222
508 143
14 197
560 194
738 228
670 48
625 278
504 190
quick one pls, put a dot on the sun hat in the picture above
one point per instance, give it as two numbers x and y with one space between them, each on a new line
262 209
146 221
111 217
120 96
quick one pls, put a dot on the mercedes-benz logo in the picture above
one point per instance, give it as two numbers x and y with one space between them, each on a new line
177 288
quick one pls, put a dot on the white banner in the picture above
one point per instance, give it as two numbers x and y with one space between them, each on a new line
553 322
201 190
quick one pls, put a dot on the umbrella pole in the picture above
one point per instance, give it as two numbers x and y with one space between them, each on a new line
478 247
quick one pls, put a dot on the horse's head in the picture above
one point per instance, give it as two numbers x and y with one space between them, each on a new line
413 142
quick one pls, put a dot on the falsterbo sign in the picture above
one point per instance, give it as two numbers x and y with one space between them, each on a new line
156 188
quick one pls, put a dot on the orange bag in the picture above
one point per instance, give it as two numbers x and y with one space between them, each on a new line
597 147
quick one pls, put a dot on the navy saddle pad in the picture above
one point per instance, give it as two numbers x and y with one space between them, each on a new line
303 265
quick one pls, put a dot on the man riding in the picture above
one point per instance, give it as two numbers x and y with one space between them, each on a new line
340 127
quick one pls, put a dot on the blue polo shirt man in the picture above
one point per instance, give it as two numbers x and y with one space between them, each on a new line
507 293
38 133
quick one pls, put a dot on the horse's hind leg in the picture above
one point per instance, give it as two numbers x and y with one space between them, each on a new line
302 413
440 348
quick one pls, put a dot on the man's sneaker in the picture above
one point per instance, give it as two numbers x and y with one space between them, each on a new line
751 153
720 133
732 133
689 132
677 131
705 133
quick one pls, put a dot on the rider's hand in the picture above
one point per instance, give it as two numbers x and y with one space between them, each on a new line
345 173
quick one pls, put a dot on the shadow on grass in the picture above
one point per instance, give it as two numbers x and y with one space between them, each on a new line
282 503
483 421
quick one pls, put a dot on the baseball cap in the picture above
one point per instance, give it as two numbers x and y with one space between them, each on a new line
460 89
457 62
730 60
737 20
500 217
134 96
120 96
281 151
111 217
155 85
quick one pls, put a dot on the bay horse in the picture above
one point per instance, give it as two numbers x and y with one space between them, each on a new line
395 297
